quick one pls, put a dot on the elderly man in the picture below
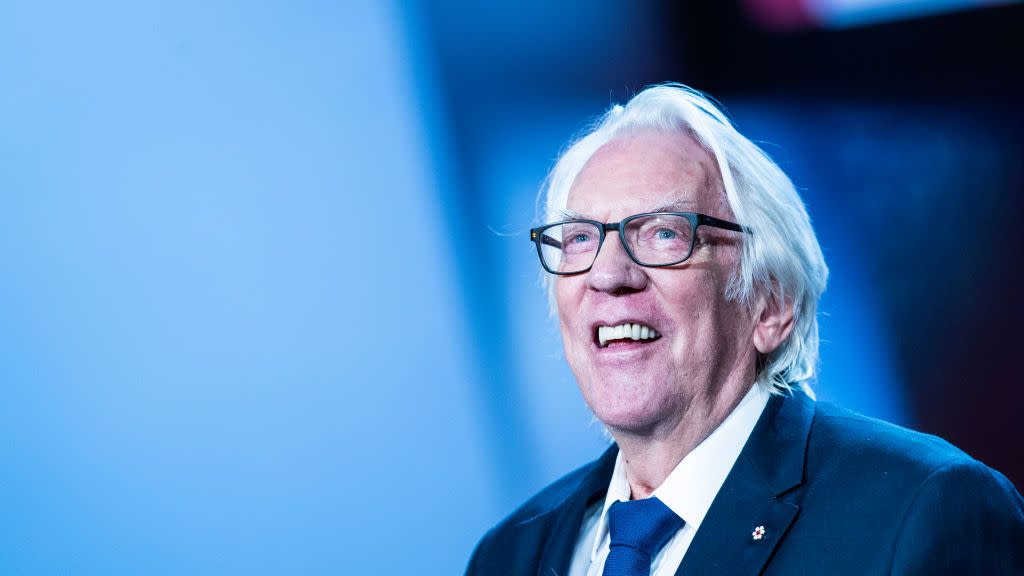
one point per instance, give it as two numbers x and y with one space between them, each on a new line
686 277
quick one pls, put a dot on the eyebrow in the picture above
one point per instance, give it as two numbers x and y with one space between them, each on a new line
677 205
572 215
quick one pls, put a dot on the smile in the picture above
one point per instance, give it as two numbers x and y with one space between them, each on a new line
608 334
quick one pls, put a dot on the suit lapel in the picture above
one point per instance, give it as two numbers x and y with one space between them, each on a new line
770 465
559 527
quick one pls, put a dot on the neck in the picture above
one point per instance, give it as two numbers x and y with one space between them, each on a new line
651 455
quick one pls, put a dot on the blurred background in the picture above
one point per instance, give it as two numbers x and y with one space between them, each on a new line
267 302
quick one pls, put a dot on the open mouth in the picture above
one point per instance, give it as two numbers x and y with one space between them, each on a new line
629 332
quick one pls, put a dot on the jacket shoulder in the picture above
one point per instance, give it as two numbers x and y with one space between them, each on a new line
886 470
965 518
852 437
881 498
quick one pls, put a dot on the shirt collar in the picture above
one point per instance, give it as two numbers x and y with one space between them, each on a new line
692 485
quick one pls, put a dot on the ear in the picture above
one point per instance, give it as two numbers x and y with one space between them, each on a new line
774 321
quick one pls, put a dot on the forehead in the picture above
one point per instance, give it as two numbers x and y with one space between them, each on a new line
646 171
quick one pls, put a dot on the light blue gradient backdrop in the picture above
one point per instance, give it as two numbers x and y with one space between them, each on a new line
228 337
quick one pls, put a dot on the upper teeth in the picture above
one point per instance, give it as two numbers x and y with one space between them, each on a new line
622 331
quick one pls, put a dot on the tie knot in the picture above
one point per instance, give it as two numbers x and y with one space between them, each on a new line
644 525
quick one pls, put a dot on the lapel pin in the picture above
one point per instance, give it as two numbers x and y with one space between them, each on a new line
758 533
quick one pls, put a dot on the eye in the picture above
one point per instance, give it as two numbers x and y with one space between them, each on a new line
579 238
666 234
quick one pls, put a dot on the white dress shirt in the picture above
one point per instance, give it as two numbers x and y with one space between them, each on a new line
688 491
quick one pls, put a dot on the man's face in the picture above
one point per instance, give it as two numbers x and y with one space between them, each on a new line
645 385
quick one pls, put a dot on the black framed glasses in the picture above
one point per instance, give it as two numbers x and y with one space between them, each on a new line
653 239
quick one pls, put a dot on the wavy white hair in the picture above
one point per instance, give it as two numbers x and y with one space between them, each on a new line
781 258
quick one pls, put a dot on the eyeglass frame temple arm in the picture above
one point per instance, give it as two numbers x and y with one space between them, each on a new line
724 224
545 239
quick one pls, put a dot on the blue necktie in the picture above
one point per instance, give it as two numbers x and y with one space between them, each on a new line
639 529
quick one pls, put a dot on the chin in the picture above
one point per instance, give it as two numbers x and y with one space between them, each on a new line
634 422
620 410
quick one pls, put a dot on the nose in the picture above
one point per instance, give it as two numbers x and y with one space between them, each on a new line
614 272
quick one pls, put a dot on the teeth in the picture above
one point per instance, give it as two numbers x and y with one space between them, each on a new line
606 334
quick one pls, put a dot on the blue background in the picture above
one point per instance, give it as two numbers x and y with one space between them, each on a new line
267 303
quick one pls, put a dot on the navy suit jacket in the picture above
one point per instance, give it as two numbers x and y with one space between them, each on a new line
836 492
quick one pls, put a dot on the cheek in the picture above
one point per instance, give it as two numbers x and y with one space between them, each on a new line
712 330
567 297
696 313
688 300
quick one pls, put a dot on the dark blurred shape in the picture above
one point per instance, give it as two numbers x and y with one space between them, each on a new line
965 56
780 15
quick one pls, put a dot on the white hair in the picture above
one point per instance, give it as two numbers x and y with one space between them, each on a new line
781 257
